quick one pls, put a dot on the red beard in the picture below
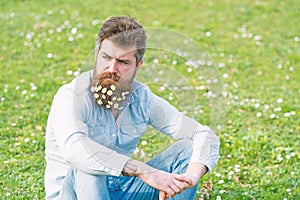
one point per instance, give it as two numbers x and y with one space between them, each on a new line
110 90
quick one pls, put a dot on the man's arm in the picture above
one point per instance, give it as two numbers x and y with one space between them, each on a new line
168 183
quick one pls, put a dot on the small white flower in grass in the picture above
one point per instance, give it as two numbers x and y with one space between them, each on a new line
293 173
218 175
225 75
280 100
76 73
74 30
288 190
155 60
144 142
49 55
266 106
288 157
33 87
230 173
222 191
26 140
279 158
272 116
287 114
218 197
278 109
221 181
296 39
208 34
62 12
69 72
269 173
24 92
293 154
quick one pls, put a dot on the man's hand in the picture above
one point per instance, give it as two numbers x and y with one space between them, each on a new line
168 184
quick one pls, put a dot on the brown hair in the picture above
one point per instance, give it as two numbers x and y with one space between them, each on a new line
124 31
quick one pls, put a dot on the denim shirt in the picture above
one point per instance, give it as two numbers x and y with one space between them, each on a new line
82 135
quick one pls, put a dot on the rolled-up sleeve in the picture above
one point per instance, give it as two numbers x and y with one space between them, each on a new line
167 119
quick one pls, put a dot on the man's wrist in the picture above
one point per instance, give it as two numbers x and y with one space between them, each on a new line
136 168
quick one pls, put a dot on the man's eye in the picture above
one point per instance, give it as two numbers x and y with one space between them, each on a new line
105 56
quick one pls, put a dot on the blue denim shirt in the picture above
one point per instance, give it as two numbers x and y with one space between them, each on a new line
82 135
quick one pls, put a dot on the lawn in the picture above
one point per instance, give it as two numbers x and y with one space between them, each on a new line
255 50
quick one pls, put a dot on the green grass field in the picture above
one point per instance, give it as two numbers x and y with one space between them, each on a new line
255 46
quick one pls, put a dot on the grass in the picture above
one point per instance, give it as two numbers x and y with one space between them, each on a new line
254 45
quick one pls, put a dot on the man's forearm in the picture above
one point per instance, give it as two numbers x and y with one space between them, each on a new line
195 171
136 168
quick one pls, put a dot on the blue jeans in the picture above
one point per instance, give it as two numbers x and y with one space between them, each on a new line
82 186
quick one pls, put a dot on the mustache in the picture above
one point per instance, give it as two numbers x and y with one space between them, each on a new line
108 75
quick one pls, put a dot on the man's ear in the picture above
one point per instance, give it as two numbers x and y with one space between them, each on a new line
139 65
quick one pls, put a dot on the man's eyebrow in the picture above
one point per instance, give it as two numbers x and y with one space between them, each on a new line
106 54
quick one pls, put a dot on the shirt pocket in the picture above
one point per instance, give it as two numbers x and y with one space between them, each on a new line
130 133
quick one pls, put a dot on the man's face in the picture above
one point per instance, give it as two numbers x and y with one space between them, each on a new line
118 60
114 71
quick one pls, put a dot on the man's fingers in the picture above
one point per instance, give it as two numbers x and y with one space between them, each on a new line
162 195
183 178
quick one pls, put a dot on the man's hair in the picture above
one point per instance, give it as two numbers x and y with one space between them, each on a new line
124 31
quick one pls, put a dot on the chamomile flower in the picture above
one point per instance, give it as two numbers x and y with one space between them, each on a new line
96 95
99 102
103 96
109 103
97 89
114 98
104 90
116 105
113 88
108 106
92 89
109 92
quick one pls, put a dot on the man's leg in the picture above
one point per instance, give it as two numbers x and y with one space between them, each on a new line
90 186
174 159
81 186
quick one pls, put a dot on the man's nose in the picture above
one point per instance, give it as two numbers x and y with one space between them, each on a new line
112 66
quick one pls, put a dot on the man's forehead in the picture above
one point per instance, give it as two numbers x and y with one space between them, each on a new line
117 51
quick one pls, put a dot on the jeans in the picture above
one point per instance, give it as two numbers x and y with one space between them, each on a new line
83 186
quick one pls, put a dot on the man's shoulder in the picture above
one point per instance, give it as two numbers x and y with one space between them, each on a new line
79 84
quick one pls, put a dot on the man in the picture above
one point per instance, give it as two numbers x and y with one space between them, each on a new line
96 121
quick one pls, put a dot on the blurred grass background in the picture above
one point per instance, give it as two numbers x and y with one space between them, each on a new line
255 46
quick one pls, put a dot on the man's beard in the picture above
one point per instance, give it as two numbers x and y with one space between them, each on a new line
110 90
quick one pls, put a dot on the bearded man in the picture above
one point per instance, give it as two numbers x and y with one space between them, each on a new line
96 121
